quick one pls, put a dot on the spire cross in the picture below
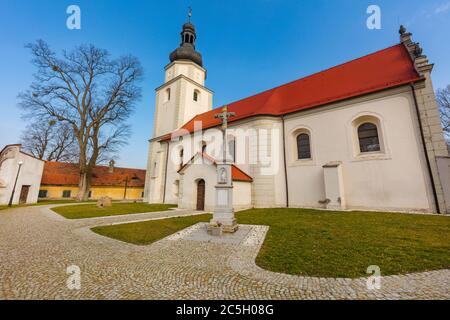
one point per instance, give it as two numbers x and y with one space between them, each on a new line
189 14
224 116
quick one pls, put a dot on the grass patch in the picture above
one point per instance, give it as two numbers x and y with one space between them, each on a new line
344 244
146 232
323 243
91 210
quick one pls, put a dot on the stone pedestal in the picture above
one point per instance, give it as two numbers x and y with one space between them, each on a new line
223 212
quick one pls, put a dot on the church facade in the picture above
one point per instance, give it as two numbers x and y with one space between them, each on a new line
364 135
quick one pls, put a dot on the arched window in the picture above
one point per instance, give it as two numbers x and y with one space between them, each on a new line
204 146
167 97
181 157
368 138
303 146
196 95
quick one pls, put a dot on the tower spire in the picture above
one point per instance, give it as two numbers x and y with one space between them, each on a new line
186 50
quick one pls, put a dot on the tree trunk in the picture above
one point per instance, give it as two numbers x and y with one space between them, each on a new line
84 186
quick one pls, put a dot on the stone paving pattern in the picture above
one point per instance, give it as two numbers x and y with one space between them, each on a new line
37 245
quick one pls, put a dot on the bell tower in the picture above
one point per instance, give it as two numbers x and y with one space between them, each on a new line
183 94
180 98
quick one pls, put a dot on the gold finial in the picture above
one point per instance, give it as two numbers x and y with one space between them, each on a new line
225 108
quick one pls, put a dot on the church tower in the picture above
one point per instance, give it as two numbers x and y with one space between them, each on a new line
182 96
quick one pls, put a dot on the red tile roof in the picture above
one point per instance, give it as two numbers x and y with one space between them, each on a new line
59 173
236 173
381 70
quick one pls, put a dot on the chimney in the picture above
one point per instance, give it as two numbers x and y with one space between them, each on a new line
111 166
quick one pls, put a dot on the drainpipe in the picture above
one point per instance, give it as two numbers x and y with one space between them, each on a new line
433 186
165 173
285 164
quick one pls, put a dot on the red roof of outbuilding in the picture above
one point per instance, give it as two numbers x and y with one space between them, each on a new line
381 70
60 173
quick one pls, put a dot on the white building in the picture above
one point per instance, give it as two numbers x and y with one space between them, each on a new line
362 135
22 171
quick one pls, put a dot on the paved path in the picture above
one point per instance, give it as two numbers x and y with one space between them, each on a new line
37 245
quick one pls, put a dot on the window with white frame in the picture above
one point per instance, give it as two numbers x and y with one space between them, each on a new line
368 138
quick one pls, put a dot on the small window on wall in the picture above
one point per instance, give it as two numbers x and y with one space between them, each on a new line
43 193
196 95
142 194
66 193
204 146
303 147
90 194
368 138
167 95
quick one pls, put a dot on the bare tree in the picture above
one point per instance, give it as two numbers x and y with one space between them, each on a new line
50 140
89 91
443 99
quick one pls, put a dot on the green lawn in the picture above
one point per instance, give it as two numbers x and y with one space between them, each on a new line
91 210
326 244
143 233
344 244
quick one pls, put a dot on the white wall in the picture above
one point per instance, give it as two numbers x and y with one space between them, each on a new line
30 175
396 179
242 197
191 175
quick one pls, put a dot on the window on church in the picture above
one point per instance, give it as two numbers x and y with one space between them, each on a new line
181 157
368 138
204 146
167 96
196 94
303 147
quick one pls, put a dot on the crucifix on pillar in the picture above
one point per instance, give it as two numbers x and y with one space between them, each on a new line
223 212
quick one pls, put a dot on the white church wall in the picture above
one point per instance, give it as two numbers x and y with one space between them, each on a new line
190 177
268 187
395 179
167 109
189 108
187 69
242 195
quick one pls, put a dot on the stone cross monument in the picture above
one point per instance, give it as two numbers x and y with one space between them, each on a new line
223 211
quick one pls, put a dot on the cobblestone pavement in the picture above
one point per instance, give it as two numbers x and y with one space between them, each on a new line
37 245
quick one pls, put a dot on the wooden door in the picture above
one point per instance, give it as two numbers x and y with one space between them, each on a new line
201 195
24 194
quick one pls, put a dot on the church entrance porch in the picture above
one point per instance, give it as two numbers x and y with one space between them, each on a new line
201 195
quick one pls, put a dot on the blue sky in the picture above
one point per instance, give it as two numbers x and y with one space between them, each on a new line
247 46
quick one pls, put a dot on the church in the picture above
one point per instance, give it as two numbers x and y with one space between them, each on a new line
363 135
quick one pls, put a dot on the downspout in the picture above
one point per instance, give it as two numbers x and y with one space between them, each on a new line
285 164
433 186
165 173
